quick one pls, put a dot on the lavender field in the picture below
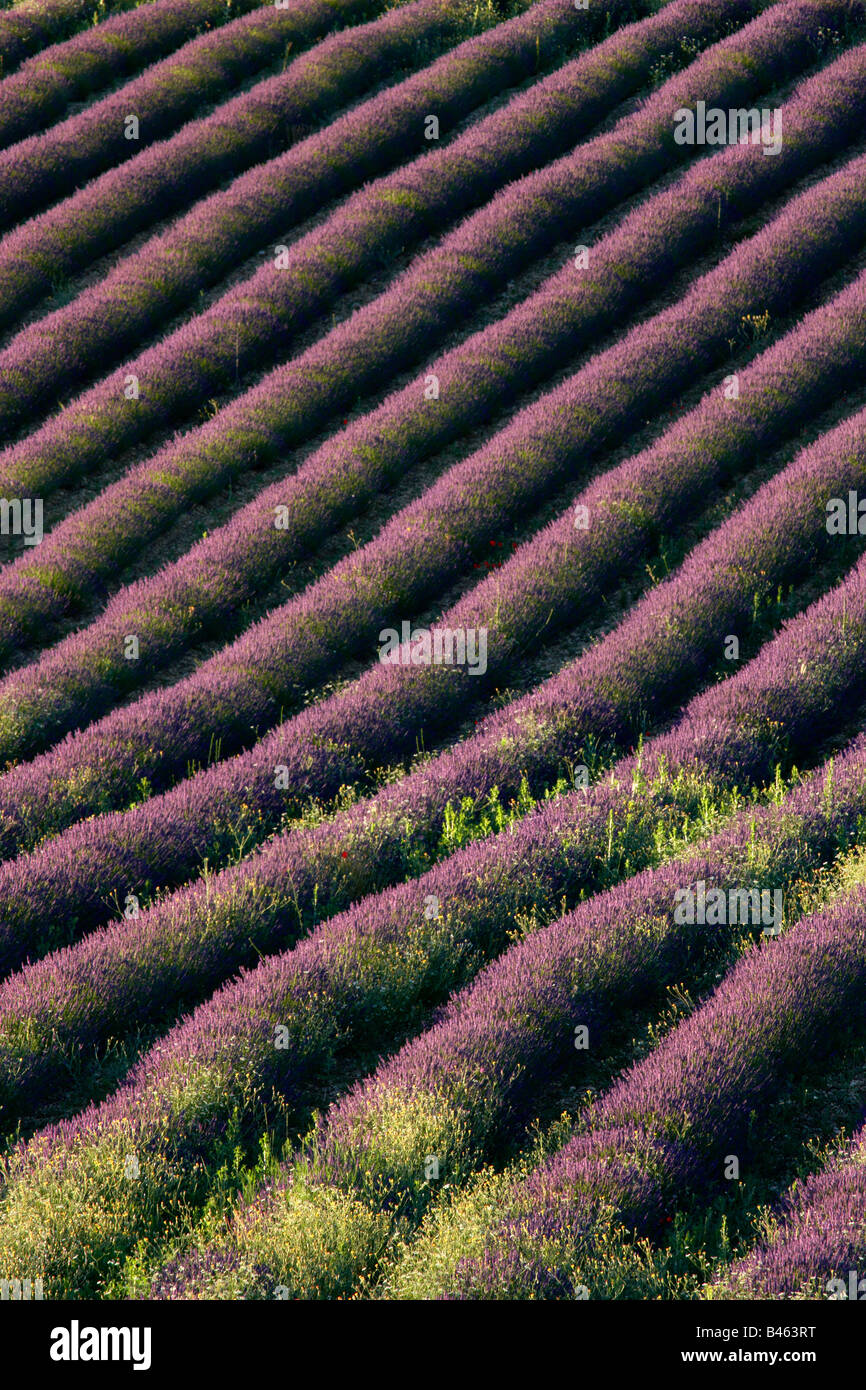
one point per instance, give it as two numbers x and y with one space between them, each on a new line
433 650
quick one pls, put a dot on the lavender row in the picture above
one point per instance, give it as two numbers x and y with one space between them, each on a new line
269 1038
65 887
669 1127
384 130
817 1248
245 687
49 1014
42 170
395 212
79 679
25 31
46 84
